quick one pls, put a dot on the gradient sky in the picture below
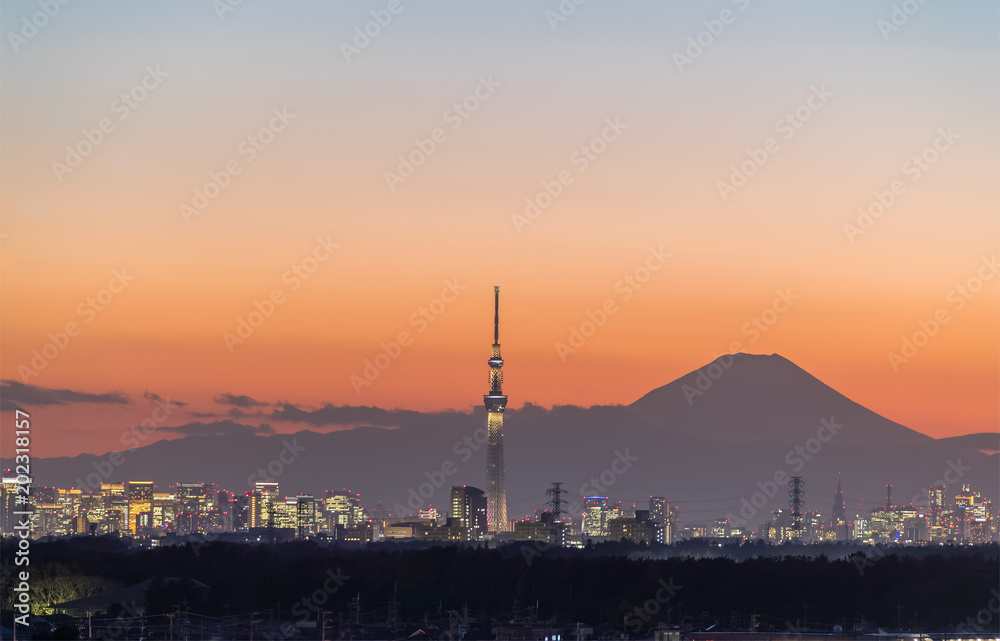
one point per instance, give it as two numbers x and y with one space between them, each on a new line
888 97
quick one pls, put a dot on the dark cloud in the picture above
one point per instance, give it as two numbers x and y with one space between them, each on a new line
364 415
204 414
221 428
15 394
238 401
156 397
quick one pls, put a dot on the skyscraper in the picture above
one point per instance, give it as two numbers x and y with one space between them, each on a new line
468 511
140 501
496 494
595 516
263 502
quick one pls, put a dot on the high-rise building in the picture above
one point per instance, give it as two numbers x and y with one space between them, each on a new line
496 402
638 529
164 509
595 516
115 507
69 505
342 508
263 502
545 530
305 516
468 511
92 506
657 508
192 497
140 501
839 520
242 508
9 489
659 511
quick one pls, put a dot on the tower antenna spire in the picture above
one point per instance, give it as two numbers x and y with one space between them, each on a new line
496 314
496 402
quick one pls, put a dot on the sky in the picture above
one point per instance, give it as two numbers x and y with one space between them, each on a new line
273 200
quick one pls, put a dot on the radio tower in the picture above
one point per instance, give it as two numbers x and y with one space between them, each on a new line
496 401
796 493
556 501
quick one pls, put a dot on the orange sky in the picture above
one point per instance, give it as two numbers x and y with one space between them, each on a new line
652 184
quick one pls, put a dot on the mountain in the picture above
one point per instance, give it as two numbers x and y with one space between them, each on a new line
725 451
747 397
986 442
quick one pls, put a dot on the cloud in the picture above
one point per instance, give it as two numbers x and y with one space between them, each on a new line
204 414
156 397
220 428
16 394
238 401
351 415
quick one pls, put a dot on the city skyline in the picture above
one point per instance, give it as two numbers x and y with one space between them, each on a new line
141 508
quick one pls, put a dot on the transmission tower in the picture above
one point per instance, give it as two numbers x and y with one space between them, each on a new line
555 500
797 494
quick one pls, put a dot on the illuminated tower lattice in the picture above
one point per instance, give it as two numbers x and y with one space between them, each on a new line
496 494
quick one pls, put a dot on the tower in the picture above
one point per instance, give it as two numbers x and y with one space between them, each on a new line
496 494
556 501
796 494
839 511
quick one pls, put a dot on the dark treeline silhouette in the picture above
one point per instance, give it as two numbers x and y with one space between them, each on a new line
608 586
